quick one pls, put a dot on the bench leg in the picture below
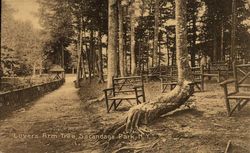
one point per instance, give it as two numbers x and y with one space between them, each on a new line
112 104
242 103
192 89
118 104
107 104
228 107
198 87
137 101
172 86
202 83
115 106
164 87
219 78
143 96
238 105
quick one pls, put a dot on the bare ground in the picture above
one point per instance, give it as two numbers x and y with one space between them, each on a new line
203 128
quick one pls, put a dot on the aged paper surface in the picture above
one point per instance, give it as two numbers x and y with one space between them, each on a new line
54 75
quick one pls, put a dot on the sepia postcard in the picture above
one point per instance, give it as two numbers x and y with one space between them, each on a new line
125 76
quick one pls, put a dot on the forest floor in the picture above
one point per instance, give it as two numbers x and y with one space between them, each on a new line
202 128
65 121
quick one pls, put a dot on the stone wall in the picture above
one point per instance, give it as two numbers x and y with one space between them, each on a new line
12 100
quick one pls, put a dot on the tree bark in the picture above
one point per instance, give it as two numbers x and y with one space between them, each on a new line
91 55
132 39
150 111
62 56
194 37
83 57
121 40
62 51
99 59
83 71
112 53
214 59
222 55
233 32
78 73
156 33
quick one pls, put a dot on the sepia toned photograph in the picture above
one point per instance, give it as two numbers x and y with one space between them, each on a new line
125 76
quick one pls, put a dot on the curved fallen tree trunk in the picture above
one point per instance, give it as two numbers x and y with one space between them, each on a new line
148 112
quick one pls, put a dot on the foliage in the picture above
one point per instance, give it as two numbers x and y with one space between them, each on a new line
220 12
20 43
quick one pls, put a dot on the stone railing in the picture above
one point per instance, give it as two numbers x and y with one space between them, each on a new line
12 100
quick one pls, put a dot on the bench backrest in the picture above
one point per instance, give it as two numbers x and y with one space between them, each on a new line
172 75
126 84
242 75
218 66
163 70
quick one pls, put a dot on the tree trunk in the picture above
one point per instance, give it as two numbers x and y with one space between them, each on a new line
173 58
125 41
112 54
78 68
121 40
214 59
150 111
159 57
91 55
233 33
83 71
83 58
62 60
222 55
99 59
156 33
62 50
132 39
194 37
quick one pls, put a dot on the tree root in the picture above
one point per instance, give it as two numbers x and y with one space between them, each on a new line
99 99
136 148
126 148
146 113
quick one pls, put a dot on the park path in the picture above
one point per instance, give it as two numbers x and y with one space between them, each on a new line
52 123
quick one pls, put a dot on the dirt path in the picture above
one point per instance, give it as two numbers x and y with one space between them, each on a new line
53 123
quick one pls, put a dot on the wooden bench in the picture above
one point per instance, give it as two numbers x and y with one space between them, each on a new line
171 79
124 88
241 93
217 70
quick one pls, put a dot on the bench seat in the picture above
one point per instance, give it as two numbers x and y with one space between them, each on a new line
123 97
211 75
240 95
124 88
